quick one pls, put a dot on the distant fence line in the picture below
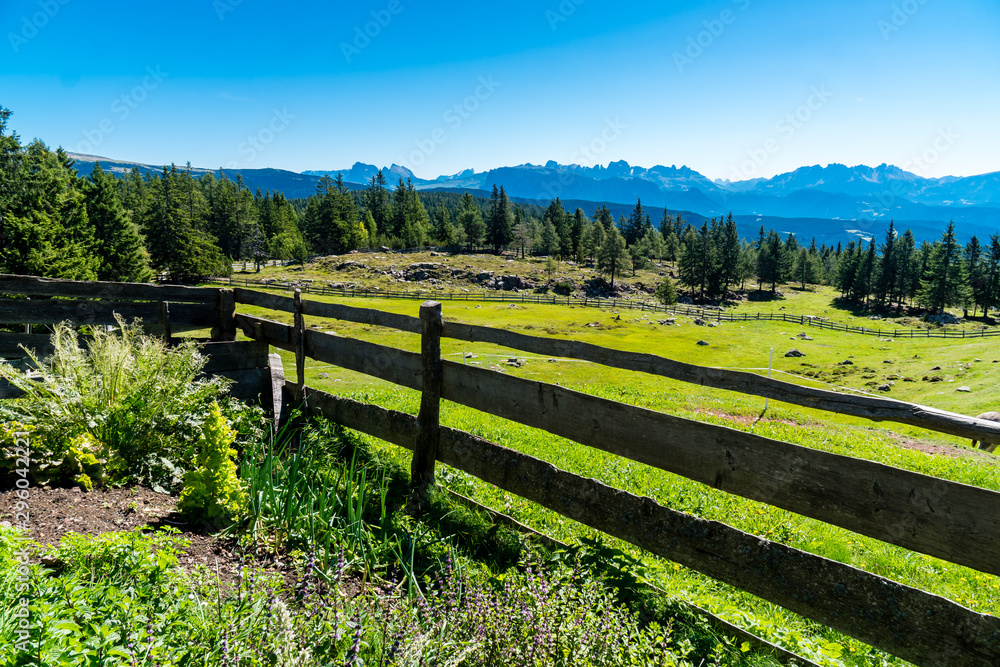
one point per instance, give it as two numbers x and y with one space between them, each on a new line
706 313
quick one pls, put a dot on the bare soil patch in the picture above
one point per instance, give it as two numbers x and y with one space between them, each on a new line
56 512
940 449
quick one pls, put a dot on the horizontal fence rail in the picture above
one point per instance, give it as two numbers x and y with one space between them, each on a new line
31 286
904 621
716 314
28 300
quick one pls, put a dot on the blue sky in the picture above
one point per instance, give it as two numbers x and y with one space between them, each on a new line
731 88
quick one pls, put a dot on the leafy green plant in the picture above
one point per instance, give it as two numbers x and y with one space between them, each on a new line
212 491
141 402
666 293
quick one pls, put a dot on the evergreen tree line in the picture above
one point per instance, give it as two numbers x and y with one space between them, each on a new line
54 223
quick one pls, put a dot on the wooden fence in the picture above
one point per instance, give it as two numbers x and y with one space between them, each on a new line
164 309
948 520
705 313
952 521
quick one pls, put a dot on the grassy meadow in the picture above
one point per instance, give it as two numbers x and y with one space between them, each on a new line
902 363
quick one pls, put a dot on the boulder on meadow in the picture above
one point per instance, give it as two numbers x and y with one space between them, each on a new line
794 353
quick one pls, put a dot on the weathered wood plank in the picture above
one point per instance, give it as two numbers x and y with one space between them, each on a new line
329 310
912 624
264 300
956 522
275 333
363 316
252 384
7 390
241 355
387 363
52 311
868 407
33 286
10 345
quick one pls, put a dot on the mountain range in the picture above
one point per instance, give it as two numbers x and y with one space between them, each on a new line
832 203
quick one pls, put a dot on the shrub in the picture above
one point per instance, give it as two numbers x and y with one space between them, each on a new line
563 287
141 404
666 293
212 492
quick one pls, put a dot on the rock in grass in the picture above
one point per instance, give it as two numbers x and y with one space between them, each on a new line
964 390
794 353
885 387
703 343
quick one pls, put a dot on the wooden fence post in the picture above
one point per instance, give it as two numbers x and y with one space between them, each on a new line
299 340
227 316
165 321
428 421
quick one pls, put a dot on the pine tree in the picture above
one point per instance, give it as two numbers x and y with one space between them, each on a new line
729 253
907 272
471 220
118 241
556 216
805 267
666 293
579 222
632 230
978 278
769 257
603 216
499 221
945 281
377 203
44 229
847 269
443 230
888 272
993 276
691 270
867 267
550 244
593 239
613 257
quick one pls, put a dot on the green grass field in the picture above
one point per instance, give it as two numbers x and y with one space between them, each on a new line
746 346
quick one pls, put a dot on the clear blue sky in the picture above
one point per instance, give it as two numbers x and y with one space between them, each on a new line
886 80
